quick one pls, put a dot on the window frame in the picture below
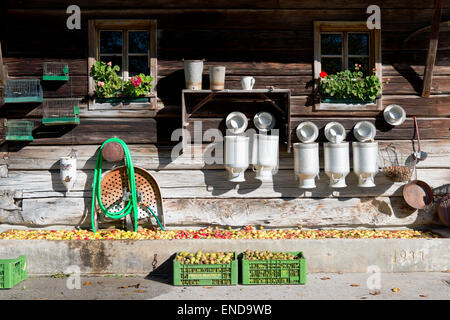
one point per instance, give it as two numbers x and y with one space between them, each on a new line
345 27
124 25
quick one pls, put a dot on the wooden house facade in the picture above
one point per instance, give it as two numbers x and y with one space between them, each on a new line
273 41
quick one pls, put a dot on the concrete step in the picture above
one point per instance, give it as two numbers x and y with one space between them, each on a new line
144 257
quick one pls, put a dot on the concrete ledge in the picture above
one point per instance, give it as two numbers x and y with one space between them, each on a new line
155 256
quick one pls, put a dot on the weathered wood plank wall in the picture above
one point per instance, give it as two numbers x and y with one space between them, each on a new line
269 39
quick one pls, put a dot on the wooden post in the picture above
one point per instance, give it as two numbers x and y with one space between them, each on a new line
432 49
2 78
92 35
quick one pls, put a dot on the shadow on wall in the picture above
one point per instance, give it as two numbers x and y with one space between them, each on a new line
410 75
169 88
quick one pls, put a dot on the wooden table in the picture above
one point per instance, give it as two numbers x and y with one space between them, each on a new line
278 99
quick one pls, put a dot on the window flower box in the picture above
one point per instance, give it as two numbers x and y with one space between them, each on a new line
349 90
347 101
348 104
123 100
114 93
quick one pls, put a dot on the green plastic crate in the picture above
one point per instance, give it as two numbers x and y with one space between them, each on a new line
274 271
225 274
12 272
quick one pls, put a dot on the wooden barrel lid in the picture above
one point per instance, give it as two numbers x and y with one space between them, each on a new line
113 152
444 210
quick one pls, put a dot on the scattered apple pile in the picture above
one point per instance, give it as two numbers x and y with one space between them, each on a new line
247 232
268 255
205 258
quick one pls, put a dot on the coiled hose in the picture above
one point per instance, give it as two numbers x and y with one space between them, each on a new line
132 206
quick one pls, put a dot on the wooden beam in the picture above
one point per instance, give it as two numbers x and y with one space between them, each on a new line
432 49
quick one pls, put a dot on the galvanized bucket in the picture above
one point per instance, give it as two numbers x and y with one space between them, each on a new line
217 77
68 171
193 71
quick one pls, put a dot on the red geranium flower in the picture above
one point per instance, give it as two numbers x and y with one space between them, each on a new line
136 81
323 74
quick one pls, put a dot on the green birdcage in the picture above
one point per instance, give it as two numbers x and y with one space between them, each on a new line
61 111
23 90
56 71
19 130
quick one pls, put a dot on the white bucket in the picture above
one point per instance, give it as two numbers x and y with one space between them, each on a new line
236 157
365 165
217 77
337 163
306 164
264 156
193 71
68 171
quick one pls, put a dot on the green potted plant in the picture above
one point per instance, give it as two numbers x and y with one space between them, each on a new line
138 86
349 87
107 82
109 87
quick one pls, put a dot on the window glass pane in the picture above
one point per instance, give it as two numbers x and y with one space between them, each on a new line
110 41
138 41
358 43
116 60
331 43
331 65
364 62
137 65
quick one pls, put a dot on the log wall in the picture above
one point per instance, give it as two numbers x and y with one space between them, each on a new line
270 40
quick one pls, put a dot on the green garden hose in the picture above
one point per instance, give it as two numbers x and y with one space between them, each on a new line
132 206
